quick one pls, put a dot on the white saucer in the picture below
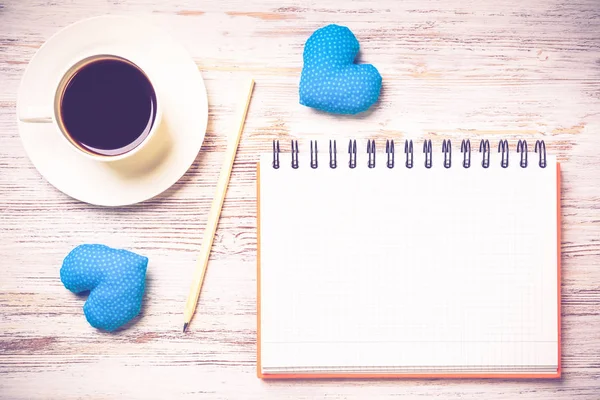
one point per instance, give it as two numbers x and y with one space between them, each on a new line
157 166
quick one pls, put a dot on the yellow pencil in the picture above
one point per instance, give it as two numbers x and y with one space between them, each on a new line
215 212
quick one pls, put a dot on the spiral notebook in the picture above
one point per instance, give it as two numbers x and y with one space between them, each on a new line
382 260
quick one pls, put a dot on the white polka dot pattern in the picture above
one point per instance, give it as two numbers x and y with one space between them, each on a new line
116 280
330 80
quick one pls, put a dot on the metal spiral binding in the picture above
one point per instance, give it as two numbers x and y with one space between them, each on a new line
352 153
333 155
408 150
484 146
522 148
276 152
295 154
447 150
503 147
371 153
389 150
314 156
428 150
539 144
465 148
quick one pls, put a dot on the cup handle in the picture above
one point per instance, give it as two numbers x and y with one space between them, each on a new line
36 115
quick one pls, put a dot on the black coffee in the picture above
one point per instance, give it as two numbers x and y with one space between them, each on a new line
108 107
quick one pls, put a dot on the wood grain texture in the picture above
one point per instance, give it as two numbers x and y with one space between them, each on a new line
452 69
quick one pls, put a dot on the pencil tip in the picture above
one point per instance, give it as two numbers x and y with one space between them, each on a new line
185 325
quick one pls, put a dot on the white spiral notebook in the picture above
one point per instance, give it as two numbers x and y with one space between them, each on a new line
377 260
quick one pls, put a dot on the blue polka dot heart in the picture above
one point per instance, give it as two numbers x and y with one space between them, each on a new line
330 80
116 280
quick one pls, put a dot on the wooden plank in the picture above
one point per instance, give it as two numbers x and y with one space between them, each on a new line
451 69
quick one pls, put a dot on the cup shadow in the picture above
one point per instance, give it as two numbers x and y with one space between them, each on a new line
190 175
150 156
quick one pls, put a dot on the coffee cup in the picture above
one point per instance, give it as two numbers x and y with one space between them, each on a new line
105 106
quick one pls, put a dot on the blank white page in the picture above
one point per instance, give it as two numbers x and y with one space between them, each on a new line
408 270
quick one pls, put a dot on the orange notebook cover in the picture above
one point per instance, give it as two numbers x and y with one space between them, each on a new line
295 337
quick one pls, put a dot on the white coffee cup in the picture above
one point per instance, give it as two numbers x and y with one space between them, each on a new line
52 114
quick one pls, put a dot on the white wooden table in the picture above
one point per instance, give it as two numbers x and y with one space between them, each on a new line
452 69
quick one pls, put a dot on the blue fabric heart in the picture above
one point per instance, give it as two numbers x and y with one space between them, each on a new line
116 280
330 80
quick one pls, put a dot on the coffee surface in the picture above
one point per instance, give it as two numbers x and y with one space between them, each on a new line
108 107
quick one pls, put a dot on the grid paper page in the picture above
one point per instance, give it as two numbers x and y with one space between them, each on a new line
415 269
